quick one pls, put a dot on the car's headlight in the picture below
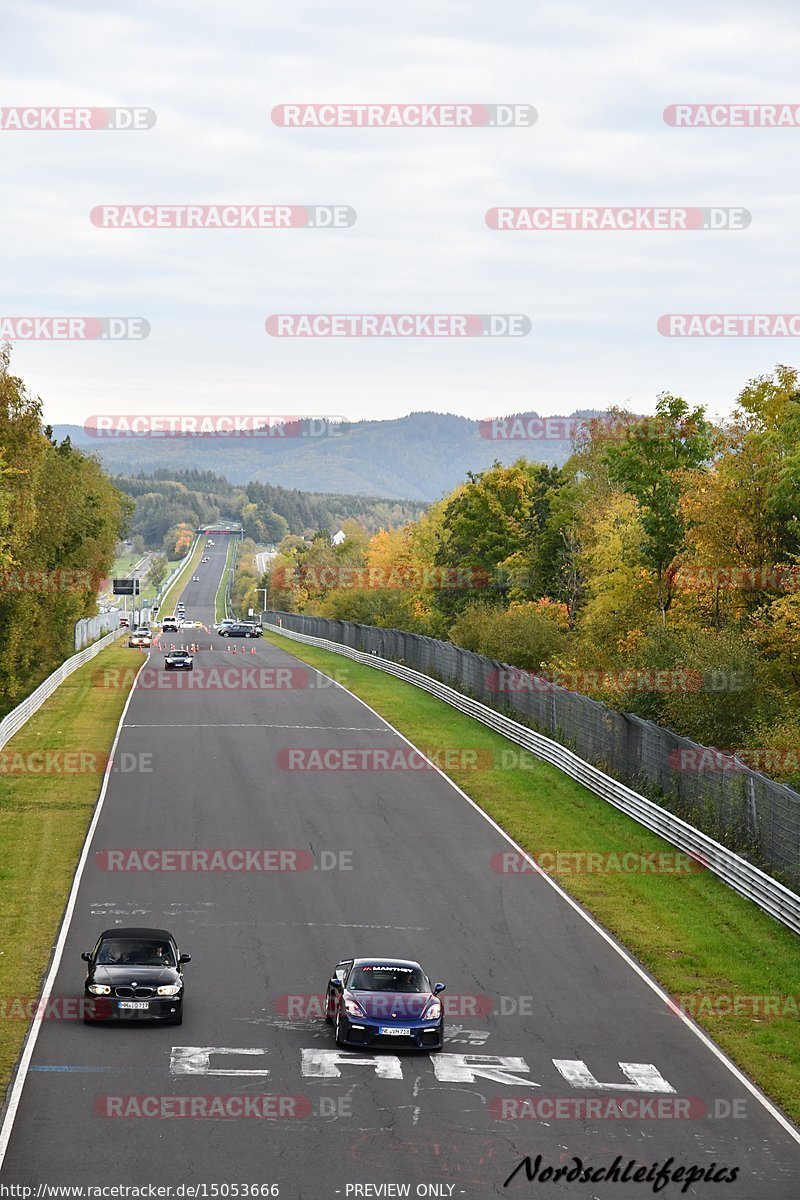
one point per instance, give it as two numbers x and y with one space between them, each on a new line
99 989
169 989
353 1008
433 1011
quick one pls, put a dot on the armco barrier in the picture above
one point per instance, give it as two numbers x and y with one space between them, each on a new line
742 876
174 573
725 797
24 711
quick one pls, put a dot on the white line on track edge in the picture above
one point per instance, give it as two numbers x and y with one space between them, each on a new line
775 1112
21 1074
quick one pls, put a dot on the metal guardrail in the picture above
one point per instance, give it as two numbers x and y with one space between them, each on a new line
24 711
173 575
742 876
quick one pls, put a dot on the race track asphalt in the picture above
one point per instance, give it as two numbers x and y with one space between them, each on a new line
390 862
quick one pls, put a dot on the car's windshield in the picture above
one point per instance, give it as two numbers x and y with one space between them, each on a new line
388 978
135 952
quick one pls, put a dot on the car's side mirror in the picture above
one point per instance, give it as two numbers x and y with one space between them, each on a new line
439 987
337 984
87 956
184 958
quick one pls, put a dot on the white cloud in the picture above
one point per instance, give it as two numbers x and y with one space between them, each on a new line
599 77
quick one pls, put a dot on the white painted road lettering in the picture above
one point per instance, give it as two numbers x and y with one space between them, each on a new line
509 1070
324 1064
466 1068
196 1060
644 1077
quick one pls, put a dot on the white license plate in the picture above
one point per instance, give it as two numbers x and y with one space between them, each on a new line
134 1004
393 1031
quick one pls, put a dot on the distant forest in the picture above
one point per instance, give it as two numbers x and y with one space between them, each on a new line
167 498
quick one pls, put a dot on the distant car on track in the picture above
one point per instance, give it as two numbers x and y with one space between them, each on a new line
384 1001
179 660
124 623
240 629
134 974
140 638
170 624
193 625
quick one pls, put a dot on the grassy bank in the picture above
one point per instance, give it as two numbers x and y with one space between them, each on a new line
219 602
171 597
43 823
695 935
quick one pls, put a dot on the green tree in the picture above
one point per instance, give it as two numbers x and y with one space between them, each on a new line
651 463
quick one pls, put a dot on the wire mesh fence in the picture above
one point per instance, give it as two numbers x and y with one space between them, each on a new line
89 629
738 806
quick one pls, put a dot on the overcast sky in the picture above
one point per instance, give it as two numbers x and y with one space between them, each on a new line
599 77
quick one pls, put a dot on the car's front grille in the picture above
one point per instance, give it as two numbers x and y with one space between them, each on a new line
128 993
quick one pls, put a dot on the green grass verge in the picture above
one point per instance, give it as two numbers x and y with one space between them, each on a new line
693 933
124 564
123 567
167 605
43 823
219 602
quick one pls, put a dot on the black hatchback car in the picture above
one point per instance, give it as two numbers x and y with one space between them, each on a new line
134 975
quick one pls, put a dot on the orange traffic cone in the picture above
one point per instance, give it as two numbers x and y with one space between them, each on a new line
252 649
